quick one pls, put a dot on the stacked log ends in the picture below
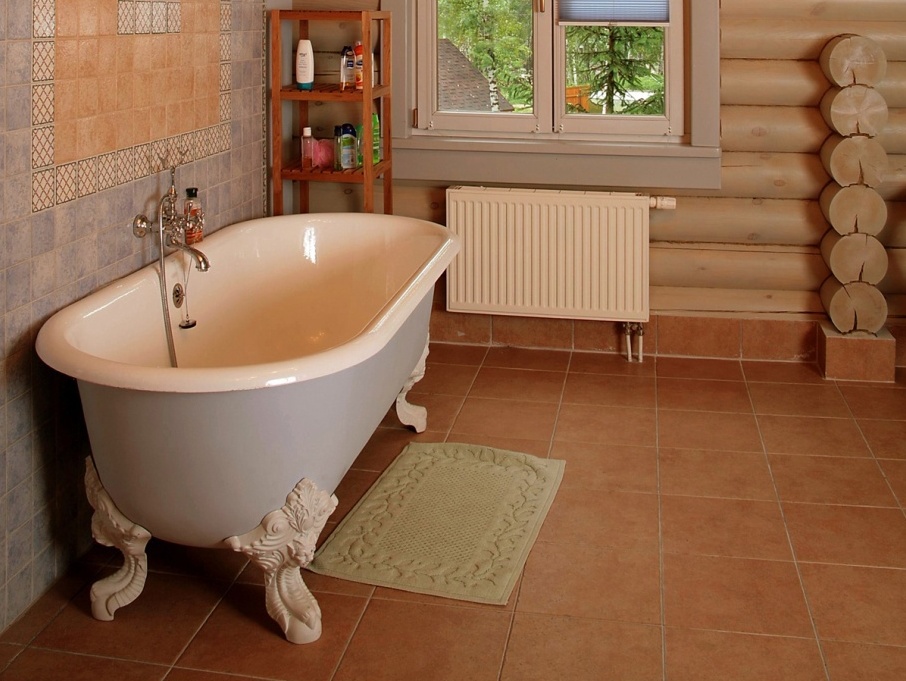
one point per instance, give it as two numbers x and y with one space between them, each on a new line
857 163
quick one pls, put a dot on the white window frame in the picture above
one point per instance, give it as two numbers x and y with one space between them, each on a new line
549 118
684 158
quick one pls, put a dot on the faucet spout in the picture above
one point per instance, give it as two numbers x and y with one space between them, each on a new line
202 264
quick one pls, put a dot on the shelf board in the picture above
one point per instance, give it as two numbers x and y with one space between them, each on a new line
331 92
293 171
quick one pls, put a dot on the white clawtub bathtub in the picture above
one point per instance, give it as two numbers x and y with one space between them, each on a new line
308 328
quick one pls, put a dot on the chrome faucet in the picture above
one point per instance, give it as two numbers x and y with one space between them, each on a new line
172 225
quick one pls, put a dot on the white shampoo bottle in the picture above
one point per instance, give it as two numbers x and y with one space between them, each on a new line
305 65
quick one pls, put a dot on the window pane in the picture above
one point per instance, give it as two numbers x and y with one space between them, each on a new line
484 56
615 70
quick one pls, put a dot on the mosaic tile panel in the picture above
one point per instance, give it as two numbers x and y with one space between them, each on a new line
42 147
42 62
42 101
44 16
53 185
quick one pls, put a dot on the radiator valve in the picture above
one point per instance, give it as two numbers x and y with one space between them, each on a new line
631 329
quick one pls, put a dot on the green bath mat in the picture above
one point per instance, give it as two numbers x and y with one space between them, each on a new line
450 520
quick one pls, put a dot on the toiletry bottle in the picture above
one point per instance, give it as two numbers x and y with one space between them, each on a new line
375 137
337 133
359 65
359 141
347 68
194 217
347 147
305 65
308 152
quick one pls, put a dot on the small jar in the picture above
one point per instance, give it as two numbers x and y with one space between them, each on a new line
194 217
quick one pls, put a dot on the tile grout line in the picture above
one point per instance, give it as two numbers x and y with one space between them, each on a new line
789 537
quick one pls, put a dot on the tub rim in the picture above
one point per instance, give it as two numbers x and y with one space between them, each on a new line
55 350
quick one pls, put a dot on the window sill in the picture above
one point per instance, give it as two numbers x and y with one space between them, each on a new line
556 162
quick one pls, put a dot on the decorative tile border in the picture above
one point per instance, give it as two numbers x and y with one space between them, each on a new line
55 184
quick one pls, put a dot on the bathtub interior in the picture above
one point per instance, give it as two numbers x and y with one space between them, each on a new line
278 289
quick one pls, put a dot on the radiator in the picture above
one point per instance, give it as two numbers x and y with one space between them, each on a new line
545 253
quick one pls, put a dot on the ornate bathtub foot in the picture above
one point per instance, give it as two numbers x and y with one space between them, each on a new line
281 545
412 414
111 528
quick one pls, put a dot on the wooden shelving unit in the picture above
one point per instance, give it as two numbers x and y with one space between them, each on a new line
375 96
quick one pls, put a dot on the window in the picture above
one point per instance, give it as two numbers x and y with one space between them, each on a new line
570 68
570 82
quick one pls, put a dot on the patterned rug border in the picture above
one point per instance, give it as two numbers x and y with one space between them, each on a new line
491 571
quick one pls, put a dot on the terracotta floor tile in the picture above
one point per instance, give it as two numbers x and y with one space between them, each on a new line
442 411
153 628
608 363
782 372
606 425
724 527
241 638
831 480
720 656
694 394
586 581
734 594
351 488
887 439
8 651
521 358
895 472
221 565
691 367
738 475
622 520
608 467
519 384
451 353
387 443
447 379
857 604
708 430
609 390
506 418
850 535
863 662
876 402
816 436
177 674
791 399
544 647
49 665
399 640
388 594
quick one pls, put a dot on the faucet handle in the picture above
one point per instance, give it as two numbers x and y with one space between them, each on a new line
141 226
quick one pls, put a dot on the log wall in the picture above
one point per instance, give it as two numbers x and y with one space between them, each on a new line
754 245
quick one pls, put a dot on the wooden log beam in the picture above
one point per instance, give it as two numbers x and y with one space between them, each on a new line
772 176
740 221
854 160
793 83
757 37
737 267
689 299
894 233
854 110
894 281
837 10
893 136
854 306
853 60
772 129
856 208
854 257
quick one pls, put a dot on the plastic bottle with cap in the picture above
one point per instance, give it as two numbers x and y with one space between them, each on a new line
308 151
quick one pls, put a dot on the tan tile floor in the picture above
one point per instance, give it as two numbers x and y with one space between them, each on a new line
718 520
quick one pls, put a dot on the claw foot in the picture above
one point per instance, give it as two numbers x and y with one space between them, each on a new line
283 543
111 528
412 414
